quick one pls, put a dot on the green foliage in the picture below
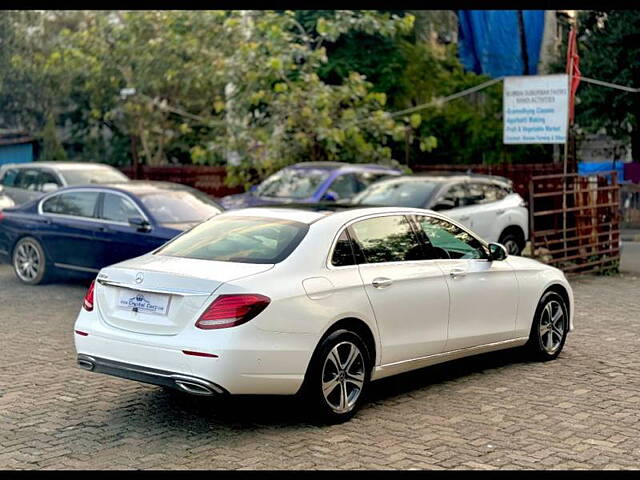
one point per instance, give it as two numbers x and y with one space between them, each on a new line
609 49
468 129
257 90
51 147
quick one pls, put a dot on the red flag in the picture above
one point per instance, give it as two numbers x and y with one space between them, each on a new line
573 70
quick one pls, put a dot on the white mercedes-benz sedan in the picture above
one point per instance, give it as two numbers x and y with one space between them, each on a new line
316 302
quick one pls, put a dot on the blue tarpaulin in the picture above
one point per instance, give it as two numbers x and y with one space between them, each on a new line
490 41
593 168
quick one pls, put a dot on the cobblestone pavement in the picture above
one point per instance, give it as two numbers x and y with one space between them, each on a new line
498 410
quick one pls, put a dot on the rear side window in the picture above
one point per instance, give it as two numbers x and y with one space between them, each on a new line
386 239
9 177
343 252
238 239
493 193
76 204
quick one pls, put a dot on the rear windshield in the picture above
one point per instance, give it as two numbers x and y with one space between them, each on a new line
397 194
179 206
238 239
81 176
292 183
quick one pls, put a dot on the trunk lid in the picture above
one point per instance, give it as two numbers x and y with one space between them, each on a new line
161 295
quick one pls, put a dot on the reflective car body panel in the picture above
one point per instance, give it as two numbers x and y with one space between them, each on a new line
442 301
83 242
336 181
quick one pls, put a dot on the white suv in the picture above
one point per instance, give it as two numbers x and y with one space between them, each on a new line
486 204
21 182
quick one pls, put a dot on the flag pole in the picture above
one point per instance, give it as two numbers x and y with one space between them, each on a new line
566 142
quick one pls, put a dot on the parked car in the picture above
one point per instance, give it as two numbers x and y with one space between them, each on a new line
311 182
284 301
82 229
27 181
486 204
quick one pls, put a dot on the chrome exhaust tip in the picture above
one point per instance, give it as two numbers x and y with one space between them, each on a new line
86 362
193 388
196 386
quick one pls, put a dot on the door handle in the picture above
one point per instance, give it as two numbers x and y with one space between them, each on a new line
381 282
463 219
457 272
500 212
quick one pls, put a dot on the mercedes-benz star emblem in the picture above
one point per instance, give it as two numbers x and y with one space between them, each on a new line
139 278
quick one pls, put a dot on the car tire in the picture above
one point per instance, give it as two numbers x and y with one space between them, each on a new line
30 262
513 242
338 376
547 335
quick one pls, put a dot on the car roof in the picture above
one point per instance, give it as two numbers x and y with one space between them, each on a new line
136 187
342 166
59 165
445 177
311 213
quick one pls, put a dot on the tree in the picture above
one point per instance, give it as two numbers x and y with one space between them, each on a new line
228 85
609 49
51 147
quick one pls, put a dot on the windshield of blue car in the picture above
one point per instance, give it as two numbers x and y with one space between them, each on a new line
238 239
179 206
292 183
398 194
81 176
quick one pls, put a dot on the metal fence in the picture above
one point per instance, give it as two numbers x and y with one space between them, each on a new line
209 179
630 205
575 221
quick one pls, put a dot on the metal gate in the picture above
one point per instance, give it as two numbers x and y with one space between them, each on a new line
575 221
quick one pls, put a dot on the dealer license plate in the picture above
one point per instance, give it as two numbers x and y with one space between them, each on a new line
146 302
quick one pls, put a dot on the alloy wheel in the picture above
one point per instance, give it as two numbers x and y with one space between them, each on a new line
512 247
343 376
552 327
27 261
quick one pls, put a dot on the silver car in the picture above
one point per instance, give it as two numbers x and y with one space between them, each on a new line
21 182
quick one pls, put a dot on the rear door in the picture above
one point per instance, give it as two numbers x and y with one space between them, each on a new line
118 239
408 294
70 239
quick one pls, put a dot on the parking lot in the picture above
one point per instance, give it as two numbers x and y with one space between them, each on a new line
494 411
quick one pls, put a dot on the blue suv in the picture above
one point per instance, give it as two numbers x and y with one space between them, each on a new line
311 182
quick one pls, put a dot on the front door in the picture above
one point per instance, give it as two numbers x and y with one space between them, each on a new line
120 240
408 294
483 293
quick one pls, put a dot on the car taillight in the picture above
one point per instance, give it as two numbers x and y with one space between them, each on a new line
231 310
1 215
87 304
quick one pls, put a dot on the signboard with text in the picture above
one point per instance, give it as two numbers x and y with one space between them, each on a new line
535 109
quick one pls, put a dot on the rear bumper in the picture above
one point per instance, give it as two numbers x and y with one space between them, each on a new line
185 383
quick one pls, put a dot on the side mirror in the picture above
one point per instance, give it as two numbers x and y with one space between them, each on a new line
330 196
253 188
443 205
141 224
497 252
49 187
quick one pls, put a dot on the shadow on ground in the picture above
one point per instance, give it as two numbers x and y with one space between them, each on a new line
201 414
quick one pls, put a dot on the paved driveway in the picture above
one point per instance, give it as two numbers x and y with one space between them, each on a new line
494 411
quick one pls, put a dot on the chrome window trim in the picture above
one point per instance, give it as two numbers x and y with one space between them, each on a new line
387 214
89 219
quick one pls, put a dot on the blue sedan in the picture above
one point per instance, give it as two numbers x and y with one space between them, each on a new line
78 230
311 182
